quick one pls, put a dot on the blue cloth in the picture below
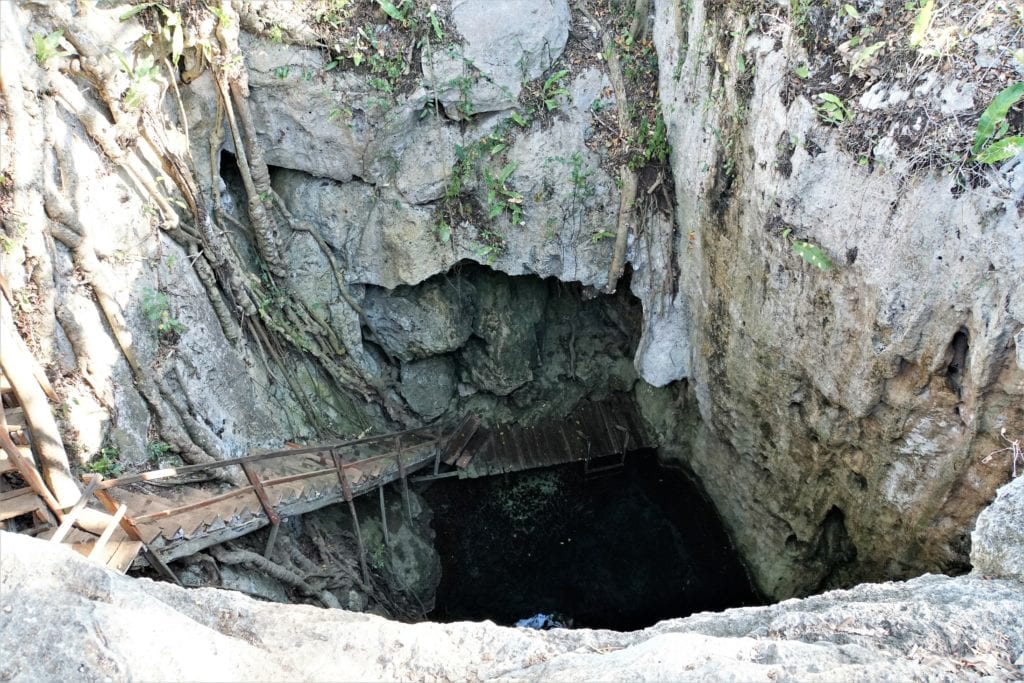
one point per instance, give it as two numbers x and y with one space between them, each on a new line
540 621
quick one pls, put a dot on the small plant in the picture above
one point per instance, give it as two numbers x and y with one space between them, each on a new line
809 252
922 21
601 235
282 72
443 231
107 464
990 144
832 110
398 11
156 450
500 198
155 308
47 47
144 73
553 89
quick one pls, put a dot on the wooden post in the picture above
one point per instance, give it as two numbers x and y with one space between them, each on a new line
405 481
261 495
346 491
437 446
271 539
384 516
129 528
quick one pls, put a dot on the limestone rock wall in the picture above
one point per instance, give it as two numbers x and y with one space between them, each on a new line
846 414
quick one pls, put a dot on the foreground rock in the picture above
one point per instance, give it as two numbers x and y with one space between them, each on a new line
63 618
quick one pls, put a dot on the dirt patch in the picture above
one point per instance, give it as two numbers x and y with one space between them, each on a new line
917 78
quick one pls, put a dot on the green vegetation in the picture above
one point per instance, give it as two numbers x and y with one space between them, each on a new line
922 20
553 89
47 46
809 252
142 75
500 198
990 142
155 308
107 464
156 450
832 110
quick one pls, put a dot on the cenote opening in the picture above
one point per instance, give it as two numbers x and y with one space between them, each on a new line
620 549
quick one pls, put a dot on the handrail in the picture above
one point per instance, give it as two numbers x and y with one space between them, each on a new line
324 448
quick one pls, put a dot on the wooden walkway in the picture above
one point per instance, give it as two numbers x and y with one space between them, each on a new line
592 433
174 522
186 520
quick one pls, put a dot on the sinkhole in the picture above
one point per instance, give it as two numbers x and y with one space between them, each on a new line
622 548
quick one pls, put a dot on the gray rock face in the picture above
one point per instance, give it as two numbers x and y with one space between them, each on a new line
997 543
500 357
507 42
415 323
855 405
428 385
63 618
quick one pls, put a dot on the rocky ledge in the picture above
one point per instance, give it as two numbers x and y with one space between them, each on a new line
63 618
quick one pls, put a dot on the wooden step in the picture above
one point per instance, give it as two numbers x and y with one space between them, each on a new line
19 502
118 555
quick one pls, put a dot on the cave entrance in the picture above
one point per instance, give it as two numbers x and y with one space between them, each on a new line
621 548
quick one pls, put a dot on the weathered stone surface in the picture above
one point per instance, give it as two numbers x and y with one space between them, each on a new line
855 405
507 42
997 543
428 385
64 618
415 323
500 356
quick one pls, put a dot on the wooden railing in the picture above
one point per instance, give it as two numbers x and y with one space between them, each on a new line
333 453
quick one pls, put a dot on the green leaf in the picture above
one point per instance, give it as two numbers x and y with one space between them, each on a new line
508 170
177 43
518 118
921 23
829 97
785 233
554 78
496 149
802 71
852 11
813 254
995 115
437 26
136 10
444 232
1007 148
389 9
357 58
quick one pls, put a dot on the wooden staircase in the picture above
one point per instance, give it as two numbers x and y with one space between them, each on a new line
28 506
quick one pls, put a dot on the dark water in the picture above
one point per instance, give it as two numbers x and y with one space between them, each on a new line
623 550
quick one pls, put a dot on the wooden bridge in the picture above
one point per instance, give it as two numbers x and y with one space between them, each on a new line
182 520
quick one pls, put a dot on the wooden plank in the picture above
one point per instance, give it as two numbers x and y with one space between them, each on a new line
460 439
76 510
115 523
17 506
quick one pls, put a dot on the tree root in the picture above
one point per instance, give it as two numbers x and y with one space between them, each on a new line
275 570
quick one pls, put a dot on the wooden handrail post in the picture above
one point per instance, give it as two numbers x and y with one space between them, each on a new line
384 516
405 481
268 509
261 494
346 491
